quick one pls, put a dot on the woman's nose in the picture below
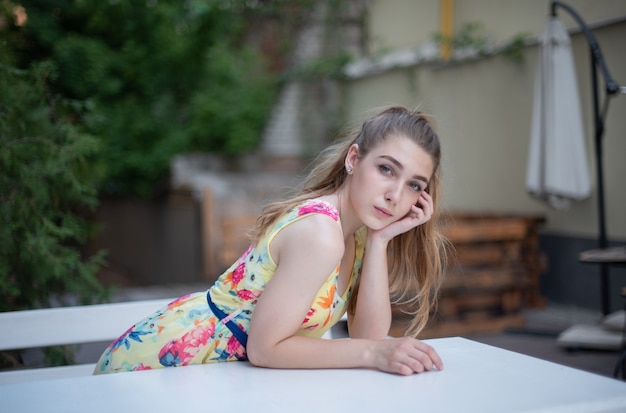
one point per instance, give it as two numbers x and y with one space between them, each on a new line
393 193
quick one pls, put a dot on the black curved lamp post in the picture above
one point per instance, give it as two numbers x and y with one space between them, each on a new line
611 89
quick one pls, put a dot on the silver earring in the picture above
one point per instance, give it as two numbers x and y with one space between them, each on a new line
349 169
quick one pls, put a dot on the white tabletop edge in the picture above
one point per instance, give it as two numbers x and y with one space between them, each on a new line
476 377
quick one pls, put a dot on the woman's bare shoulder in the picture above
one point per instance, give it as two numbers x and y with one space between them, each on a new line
314 233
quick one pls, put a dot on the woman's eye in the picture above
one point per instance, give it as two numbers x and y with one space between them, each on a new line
385 169
415 186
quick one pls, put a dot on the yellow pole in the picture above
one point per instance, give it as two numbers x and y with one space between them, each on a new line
446 25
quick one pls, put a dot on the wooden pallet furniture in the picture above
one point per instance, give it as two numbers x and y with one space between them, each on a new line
494 272
224 234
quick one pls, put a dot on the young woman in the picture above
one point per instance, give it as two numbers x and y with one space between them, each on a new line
360 230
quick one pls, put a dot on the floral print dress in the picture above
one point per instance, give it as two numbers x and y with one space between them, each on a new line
186 331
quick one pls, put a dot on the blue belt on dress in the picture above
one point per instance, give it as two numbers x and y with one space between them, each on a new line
237 331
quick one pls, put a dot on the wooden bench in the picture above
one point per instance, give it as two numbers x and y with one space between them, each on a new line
70 325
65 326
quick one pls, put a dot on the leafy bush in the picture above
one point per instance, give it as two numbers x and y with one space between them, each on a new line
47 186
95 99
163 77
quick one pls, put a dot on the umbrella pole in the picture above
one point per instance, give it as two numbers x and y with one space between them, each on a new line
599 152
597 61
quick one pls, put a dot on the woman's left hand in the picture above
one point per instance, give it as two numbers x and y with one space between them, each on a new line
419 214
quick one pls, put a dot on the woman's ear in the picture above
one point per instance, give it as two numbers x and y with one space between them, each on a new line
352 157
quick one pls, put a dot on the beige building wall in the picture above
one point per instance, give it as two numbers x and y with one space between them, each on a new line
482 108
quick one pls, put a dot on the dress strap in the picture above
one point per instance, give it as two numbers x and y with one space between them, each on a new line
237 331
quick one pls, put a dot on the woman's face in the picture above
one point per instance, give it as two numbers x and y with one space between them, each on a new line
388 180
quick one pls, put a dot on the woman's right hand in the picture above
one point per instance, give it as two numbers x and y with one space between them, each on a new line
405 356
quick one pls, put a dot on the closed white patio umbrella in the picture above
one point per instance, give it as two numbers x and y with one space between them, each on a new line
557 163
557 170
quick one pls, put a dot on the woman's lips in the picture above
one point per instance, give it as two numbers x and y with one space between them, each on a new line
383 212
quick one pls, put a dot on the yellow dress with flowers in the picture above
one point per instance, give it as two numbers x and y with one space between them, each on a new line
187 331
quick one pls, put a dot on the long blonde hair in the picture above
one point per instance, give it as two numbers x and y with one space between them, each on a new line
417 258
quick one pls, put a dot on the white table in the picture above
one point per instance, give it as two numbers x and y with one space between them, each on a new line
476 378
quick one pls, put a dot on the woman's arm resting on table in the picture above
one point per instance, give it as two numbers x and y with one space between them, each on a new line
307 252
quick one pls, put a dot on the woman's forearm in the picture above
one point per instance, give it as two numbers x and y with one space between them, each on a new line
405 355
372 316
310 353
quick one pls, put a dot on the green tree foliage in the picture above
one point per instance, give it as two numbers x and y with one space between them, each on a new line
47 185
163 76
95 98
